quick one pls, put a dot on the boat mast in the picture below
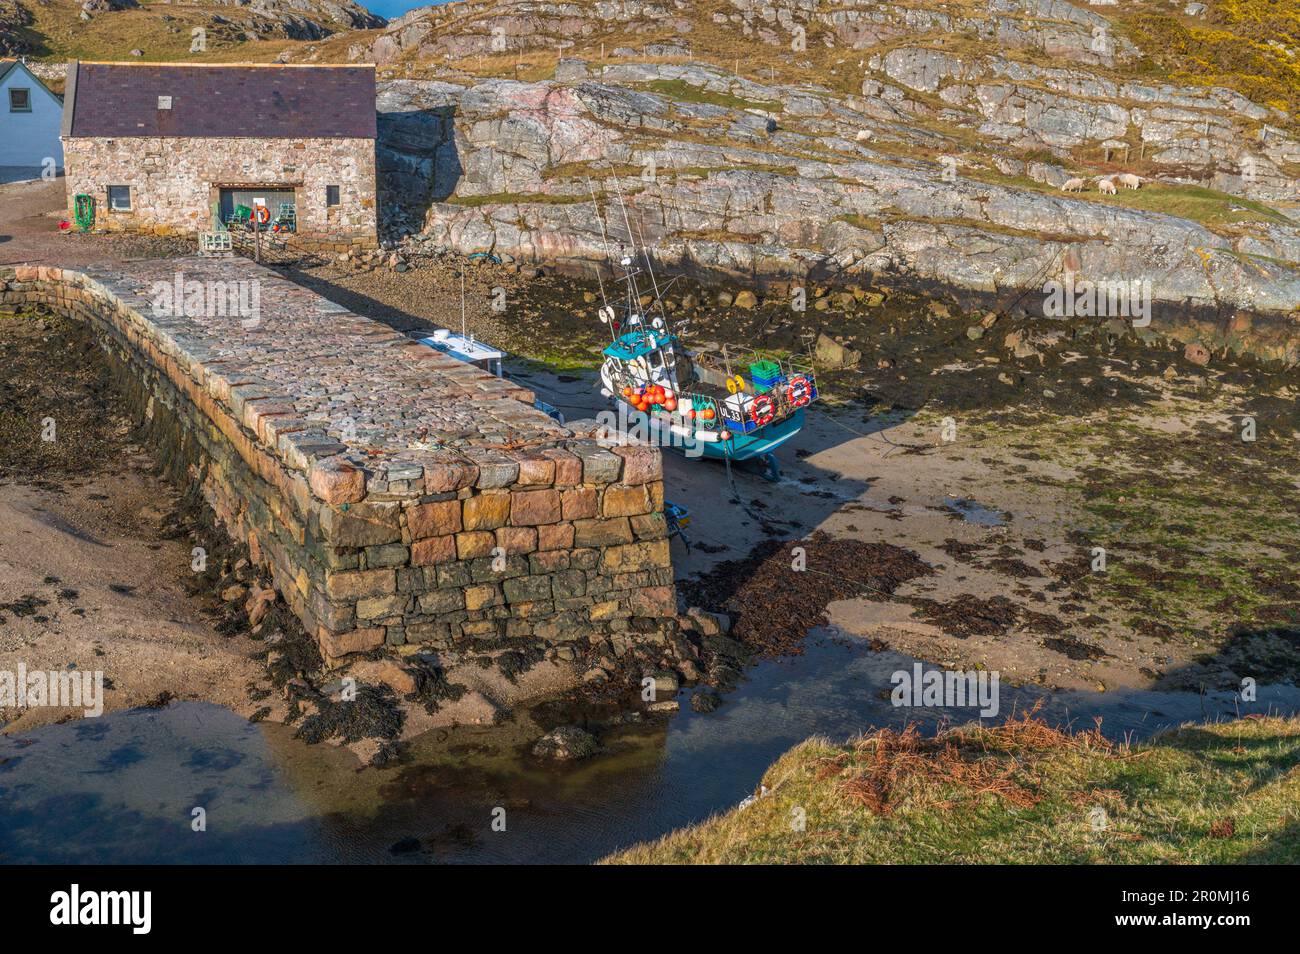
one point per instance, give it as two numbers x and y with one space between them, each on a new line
604 237
463 327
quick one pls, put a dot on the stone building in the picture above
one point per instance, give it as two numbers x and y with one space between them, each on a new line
171 148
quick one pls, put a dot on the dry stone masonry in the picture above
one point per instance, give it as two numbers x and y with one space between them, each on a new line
176 182
395 494
173 148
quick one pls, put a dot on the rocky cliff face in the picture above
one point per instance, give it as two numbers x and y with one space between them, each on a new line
101 27
329 15
733 191
926 139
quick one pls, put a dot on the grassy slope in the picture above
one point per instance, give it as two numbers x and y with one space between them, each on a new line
1229 47
60 34
1020 794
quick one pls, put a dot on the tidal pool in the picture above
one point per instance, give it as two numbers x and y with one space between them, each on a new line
124 787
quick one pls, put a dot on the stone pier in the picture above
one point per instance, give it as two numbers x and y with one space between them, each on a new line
396 495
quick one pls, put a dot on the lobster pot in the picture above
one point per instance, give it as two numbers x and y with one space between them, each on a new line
766 375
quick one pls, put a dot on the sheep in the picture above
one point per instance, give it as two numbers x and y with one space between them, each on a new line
1072 185
1106 187
1130 181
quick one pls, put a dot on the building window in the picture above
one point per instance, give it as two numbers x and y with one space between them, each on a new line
119 198
331 195
20 100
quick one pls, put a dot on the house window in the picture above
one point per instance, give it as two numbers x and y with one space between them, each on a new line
119 198
20 100
331 195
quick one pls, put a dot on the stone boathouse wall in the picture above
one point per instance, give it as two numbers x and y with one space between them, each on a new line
395 495
175 183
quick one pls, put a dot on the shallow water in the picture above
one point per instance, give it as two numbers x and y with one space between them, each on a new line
976 513
122 788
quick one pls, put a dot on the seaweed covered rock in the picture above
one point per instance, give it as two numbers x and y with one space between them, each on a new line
566 743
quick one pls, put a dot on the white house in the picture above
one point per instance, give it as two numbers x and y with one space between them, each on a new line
31 118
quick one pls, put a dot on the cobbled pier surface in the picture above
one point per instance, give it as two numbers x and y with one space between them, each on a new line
396 495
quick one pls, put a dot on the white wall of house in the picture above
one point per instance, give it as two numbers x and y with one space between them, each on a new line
27 138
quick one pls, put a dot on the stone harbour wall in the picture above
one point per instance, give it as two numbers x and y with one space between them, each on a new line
454 516
175 181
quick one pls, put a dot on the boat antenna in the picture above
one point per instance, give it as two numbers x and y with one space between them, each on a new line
463 335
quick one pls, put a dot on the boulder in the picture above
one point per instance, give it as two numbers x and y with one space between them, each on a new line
831 354
567 743
706 700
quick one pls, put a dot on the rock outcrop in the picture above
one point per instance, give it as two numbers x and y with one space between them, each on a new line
246 20
730 177
759 140
1031 74
13 17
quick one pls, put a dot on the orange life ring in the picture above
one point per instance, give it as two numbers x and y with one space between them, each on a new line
799 391
763 410
262 214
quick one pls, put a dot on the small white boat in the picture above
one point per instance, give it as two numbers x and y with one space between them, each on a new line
466 349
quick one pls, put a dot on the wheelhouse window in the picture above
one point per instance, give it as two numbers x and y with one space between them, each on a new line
119 198
331 195
20 100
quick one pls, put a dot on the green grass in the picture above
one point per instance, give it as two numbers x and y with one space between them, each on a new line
517 198
684 92
1209 207
1205 794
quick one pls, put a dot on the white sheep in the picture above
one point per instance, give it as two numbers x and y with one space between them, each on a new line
1072 185
1106 187
1130 181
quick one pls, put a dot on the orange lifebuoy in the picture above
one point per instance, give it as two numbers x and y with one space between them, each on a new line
762 410
262 214
799 391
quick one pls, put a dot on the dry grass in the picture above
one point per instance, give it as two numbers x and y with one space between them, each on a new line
62 35
1022 792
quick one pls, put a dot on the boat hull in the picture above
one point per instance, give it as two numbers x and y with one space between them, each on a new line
741 447
758 442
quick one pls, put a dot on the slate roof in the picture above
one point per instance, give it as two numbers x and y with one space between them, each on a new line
114 100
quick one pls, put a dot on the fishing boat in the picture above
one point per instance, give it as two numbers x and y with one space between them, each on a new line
732 405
